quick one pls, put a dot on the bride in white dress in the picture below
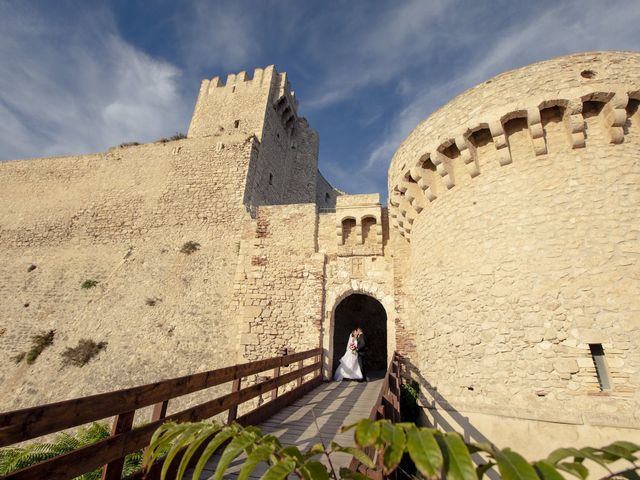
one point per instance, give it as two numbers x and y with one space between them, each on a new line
349 366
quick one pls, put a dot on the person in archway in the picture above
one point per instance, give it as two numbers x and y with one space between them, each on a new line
360 348
349 368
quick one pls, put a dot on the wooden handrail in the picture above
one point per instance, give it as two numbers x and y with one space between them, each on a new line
28 423
25 424
386 407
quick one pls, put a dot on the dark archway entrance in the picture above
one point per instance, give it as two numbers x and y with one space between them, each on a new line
366 312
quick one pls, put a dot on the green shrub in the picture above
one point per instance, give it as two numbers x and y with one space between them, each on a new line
190 247
81 355
173 138
15 458
409 394
39 342
89 284
128 144
435 454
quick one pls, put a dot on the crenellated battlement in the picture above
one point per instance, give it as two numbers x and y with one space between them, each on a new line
239 102
585 100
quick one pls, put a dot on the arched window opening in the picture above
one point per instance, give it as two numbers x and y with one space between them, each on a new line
369 230
349 231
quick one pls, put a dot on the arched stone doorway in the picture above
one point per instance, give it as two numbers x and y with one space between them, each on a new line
358 310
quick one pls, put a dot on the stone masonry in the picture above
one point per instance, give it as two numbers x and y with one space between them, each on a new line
509 252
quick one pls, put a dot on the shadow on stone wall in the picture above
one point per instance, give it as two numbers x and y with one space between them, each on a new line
436 405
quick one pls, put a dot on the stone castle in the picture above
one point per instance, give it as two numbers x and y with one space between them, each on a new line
506 267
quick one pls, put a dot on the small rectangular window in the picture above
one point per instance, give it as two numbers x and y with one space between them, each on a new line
271 179
236 124
597 354
327 197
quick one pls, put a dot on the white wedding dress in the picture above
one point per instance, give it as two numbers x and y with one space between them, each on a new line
349 366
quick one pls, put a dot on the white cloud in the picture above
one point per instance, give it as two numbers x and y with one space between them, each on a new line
372 47
217 34
66 90
568 28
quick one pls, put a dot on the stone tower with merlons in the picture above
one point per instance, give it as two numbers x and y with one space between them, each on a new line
505 268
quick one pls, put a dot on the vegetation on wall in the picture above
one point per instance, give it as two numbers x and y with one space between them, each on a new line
409 395
39 342
152 301
173 138
89 284
190 247
80 355
436 454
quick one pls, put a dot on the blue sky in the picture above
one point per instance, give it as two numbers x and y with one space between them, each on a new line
81 76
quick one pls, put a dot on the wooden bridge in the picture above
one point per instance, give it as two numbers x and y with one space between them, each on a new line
299 409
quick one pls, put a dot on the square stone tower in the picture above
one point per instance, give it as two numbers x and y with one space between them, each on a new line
284 164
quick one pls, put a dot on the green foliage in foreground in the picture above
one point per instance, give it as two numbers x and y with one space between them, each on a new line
436 454
15 458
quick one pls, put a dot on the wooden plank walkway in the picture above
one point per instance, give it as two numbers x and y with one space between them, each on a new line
316 417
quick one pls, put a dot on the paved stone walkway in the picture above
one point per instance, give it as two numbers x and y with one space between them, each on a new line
316 417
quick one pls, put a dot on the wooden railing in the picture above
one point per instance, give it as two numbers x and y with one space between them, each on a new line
29 423
387 406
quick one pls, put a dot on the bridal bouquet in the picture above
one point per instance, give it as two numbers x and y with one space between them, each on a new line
353 348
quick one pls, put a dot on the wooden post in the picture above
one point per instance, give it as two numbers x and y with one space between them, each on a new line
300 365
159 411
274 392
233 411
121 423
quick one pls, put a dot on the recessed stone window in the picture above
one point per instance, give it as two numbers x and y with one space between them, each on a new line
349 231
236 124
271 179
369 230
597 354
327 197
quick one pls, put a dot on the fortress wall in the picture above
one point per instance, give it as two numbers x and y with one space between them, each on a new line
287 165
521 87
302 171
119 218
455 144
361 269
326 195
222 103
280 289
518 204
327 233
514 275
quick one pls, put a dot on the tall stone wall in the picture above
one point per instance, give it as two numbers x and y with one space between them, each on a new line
518 204
119 218
279 290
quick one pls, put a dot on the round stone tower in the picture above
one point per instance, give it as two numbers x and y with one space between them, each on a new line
519 202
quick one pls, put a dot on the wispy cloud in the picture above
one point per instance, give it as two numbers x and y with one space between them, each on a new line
217 35
376 43
78 87
543 34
